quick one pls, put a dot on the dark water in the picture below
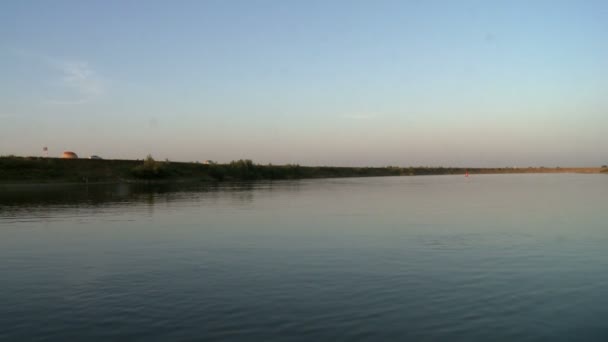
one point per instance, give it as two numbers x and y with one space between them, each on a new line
444 258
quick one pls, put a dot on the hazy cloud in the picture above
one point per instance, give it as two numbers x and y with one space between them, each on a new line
359 116
80 80
153 122
77 81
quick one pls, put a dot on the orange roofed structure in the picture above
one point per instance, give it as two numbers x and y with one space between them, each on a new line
69 155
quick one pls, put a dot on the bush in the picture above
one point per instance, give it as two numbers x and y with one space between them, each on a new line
243 169
151 169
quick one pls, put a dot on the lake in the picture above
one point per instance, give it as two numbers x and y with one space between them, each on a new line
426 258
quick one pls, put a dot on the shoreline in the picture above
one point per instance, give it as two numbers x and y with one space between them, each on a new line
39 171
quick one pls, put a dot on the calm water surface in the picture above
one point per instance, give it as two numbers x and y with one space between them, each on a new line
443 258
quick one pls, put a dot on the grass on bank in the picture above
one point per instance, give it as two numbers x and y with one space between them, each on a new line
14 169
39 169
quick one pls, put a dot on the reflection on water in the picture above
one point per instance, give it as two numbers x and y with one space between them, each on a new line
41 199
99 194
445 258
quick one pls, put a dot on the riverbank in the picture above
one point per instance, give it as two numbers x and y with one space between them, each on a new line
14 170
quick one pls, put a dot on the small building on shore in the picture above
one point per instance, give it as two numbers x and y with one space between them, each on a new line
69 155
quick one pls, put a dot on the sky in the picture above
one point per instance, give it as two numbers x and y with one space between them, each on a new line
344 83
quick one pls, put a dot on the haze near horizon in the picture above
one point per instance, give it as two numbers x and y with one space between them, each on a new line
341 83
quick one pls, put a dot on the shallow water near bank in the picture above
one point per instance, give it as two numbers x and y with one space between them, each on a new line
437 258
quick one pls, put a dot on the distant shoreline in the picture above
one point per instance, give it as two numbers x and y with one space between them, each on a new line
39 170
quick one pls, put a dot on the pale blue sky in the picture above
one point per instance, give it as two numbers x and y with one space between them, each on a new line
462 83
